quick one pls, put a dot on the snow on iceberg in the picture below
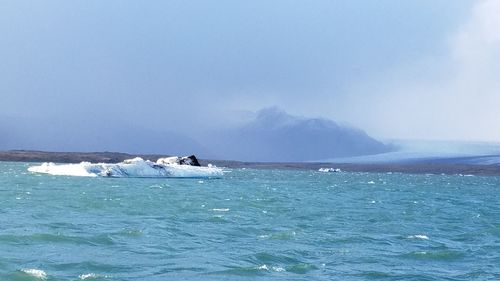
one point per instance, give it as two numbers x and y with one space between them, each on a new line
137 168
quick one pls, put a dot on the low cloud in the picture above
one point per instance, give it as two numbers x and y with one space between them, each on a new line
454 96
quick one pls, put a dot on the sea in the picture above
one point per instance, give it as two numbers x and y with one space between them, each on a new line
249 225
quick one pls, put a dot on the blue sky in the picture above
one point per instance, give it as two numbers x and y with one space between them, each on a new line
397 69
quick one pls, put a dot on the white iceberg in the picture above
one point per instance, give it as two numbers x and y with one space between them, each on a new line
137 168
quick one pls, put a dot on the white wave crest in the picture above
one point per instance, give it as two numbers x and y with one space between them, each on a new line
87 276
221 210
418 236
273 268
136 167
37 273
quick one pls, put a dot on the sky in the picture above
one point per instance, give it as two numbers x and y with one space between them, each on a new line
416 69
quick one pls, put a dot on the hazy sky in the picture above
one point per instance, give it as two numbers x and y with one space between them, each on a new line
397 69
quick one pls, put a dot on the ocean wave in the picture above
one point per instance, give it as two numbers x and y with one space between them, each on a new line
221 210
257 270
88 276
443 255
418 236
100 239
136 167
271 268
37 273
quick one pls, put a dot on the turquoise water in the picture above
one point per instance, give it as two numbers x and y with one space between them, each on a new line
252 224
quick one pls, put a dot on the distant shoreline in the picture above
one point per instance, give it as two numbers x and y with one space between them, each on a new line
423 167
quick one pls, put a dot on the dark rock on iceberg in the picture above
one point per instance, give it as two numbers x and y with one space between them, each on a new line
189 160
186 160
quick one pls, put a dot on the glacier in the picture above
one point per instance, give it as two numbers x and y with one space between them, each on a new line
136 168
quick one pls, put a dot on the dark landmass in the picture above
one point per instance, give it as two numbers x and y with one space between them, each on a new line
422 167
62 157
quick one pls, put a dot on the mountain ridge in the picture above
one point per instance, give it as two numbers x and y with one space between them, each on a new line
275 135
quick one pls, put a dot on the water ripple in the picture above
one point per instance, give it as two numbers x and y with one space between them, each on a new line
252 224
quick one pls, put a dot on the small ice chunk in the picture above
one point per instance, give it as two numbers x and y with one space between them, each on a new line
329 170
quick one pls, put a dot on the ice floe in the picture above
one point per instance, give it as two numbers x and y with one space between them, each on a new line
136 167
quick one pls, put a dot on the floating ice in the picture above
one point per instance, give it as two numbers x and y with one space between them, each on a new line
136 167
329 170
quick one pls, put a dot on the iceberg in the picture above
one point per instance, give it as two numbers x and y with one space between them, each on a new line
329 170
171 167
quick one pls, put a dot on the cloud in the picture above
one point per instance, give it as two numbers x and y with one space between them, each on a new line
452 96
473 90
479 38
476 51
172 66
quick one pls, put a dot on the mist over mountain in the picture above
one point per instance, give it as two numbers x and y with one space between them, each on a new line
275 135
93 135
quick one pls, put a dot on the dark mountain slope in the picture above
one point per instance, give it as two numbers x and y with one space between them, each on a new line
277 136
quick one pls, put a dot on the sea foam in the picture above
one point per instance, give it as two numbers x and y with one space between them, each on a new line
136 167
87 276
418 236
37 273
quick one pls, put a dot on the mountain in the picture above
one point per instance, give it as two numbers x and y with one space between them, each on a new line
275 136
272 136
